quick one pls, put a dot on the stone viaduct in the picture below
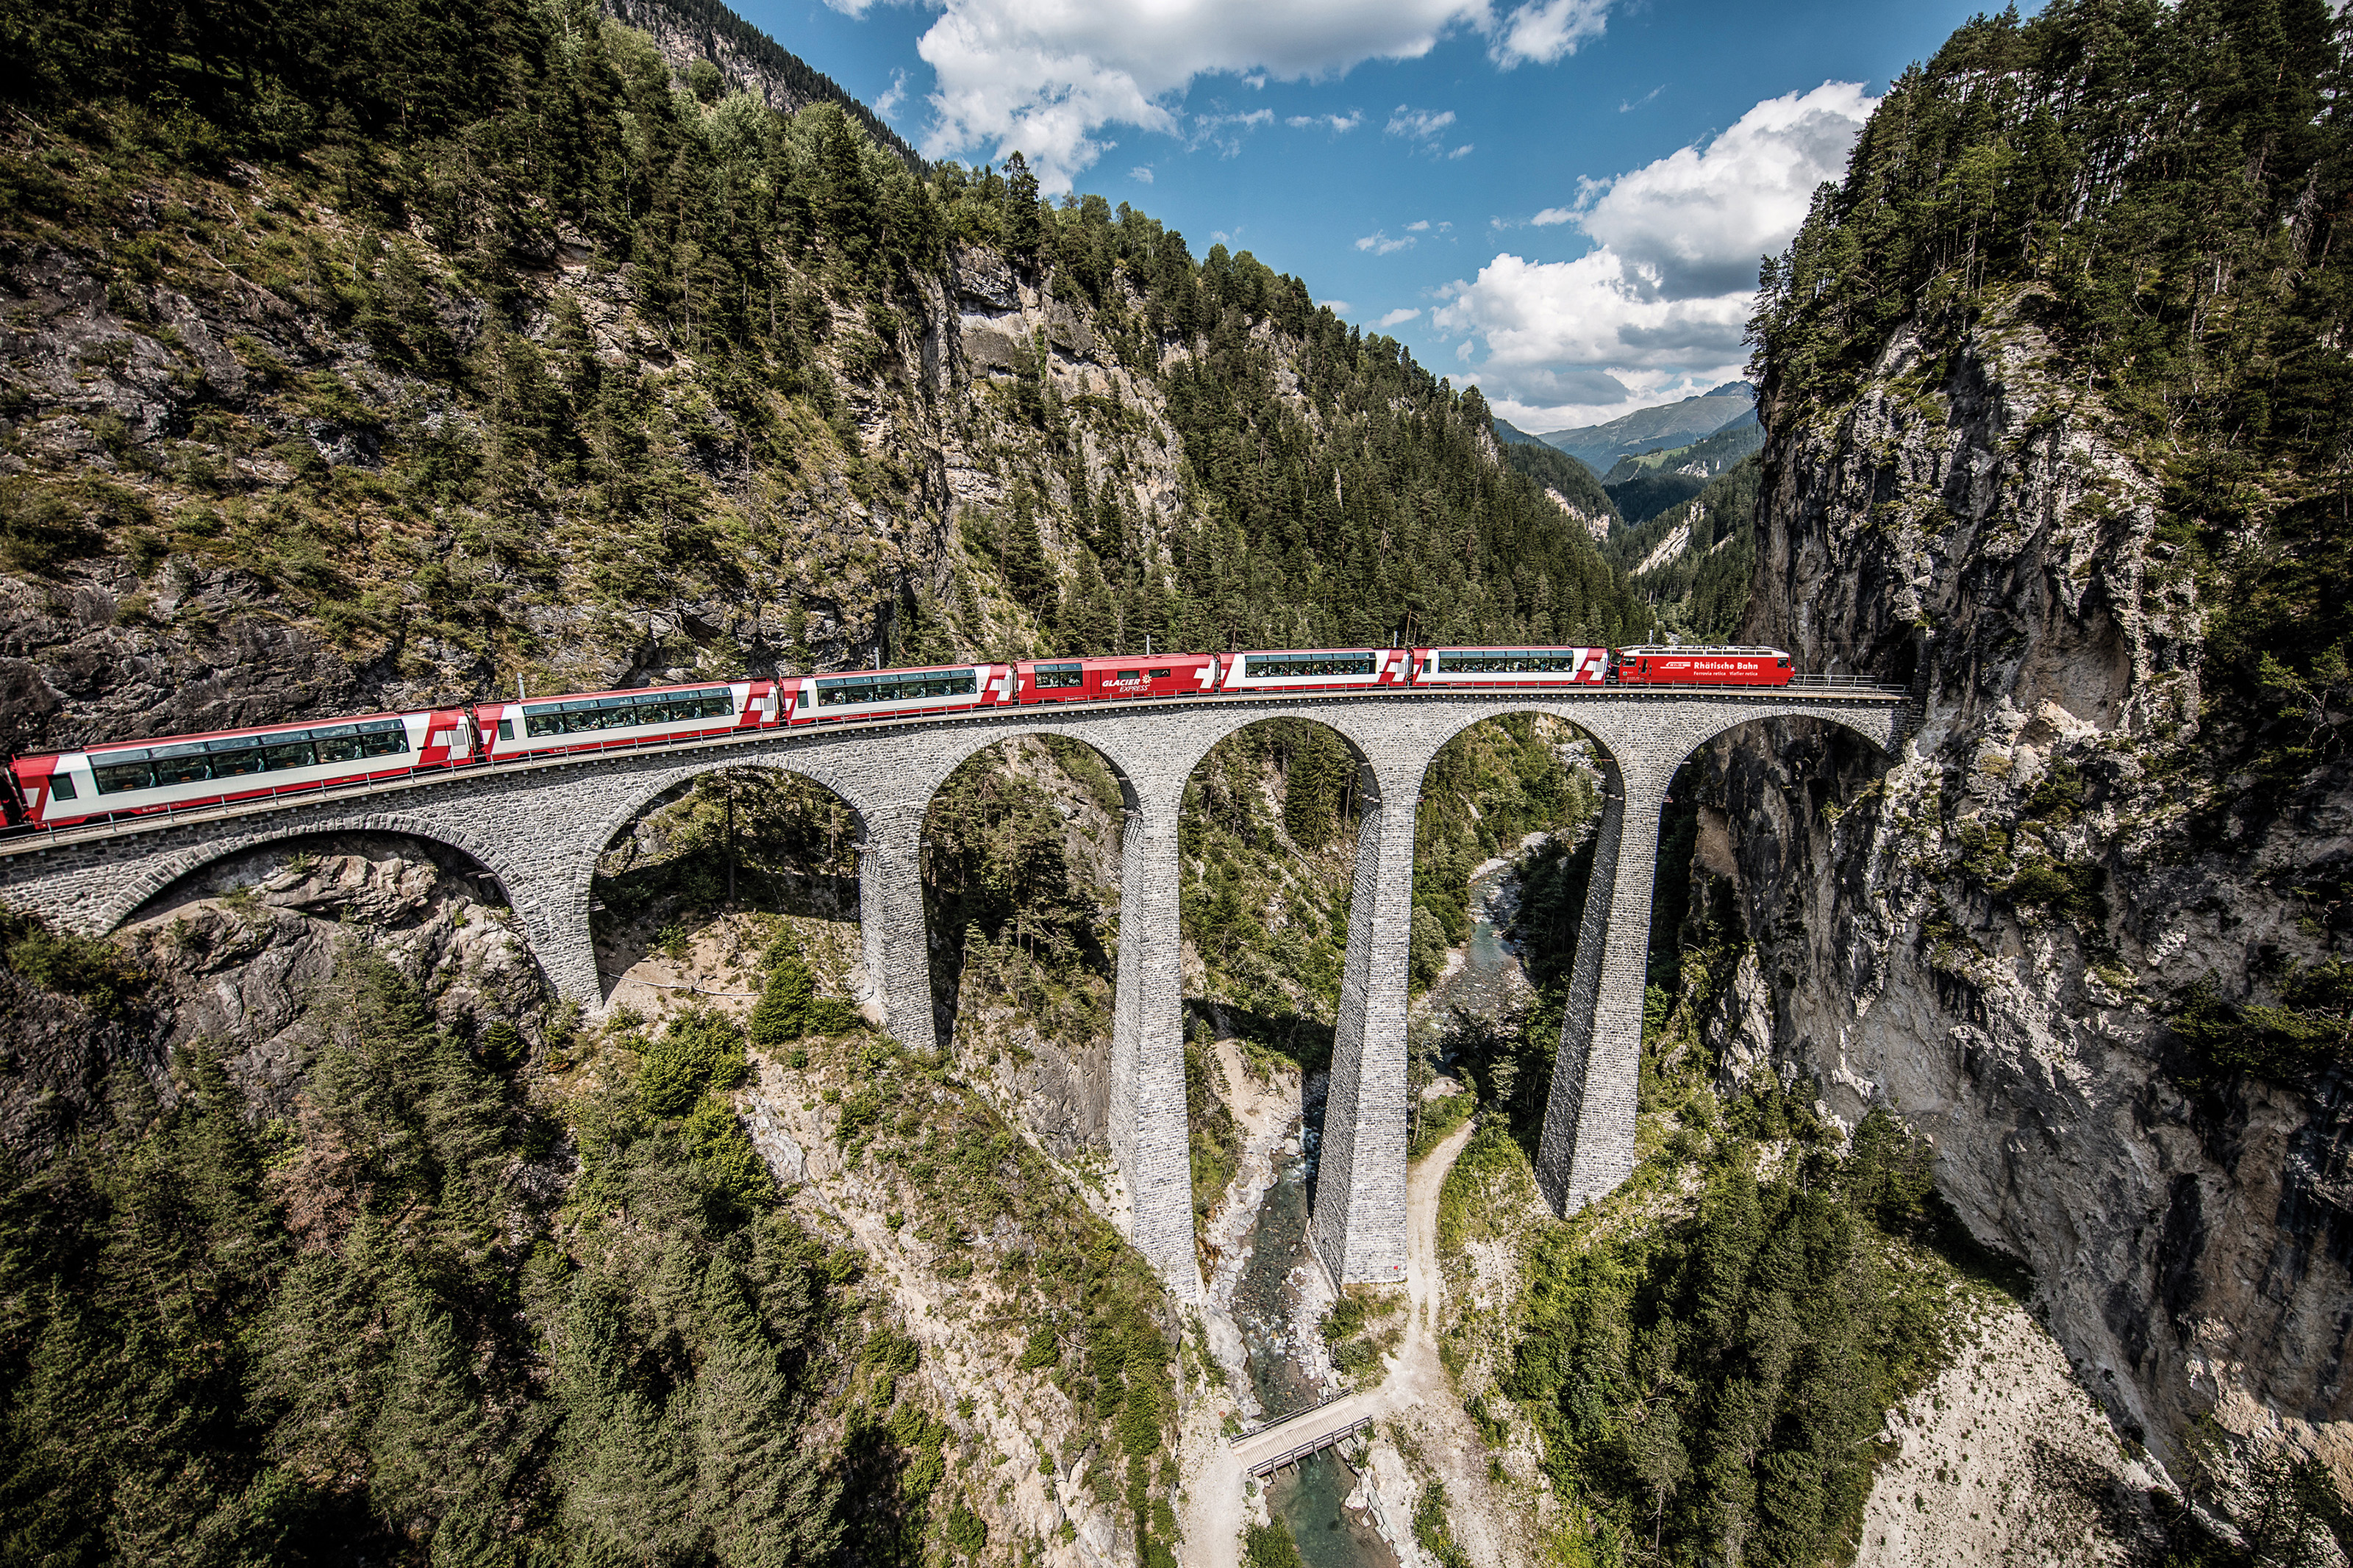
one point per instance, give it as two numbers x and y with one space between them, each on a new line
540 827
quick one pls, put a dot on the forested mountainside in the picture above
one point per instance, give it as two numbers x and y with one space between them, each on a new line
1570 484
1696 560
710 38
317 401
2056 394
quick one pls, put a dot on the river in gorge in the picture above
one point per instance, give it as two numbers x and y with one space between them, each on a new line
1286 1370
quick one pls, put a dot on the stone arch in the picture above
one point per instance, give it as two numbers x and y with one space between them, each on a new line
643 791
1109 741
1145 1114
1883 737
1359 784
1063 803
161 873
1588 1145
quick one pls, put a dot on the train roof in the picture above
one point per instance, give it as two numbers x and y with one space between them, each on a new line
1096 658
1357 647
1700 647
622 691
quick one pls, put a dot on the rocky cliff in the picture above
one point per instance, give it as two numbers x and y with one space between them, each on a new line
1997 941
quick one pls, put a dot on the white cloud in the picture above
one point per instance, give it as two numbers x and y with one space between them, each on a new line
1398 318
887 103
1379 243
1225 131
1543 30
1418 226
1419 124
1141 173
1659 305
1462 151
1045 76
1699 218
1338 125
1624 107
1337 307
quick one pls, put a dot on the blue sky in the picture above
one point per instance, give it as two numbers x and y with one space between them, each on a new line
1560 200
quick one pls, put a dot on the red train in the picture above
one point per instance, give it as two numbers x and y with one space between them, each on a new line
176 771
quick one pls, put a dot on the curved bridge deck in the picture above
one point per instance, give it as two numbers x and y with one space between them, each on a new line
540 827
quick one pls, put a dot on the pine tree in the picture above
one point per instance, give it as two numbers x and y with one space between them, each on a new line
781 1015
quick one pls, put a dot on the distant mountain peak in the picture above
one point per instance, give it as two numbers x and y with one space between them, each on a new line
1668 424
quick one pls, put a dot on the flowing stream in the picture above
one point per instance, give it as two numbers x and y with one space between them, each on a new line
1309 1498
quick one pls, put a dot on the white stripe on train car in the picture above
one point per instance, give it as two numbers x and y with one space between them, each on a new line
88 802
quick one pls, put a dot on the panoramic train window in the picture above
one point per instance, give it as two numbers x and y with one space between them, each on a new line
895 688
1058 674
1299 666
1508 661
194 762
586 714
61 786
383 738
113 778
180 765
338 744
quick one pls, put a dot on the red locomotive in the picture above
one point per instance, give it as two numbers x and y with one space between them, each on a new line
1700 667
177 771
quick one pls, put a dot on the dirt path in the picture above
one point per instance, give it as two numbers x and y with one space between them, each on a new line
1416 1395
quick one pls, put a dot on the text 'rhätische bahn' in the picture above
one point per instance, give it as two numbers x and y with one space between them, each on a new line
179 772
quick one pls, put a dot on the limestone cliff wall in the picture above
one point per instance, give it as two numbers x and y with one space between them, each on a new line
1991 935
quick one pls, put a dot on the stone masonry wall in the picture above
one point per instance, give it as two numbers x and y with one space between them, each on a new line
540 829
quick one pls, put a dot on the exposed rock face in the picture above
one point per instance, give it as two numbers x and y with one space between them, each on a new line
1989 940
236 955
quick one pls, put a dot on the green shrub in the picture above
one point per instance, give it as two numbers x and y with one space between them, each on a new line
782 1015
503 1045
832 1016
93 972
2309 1027
966 1531
1270 1546
40 530
699 1052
